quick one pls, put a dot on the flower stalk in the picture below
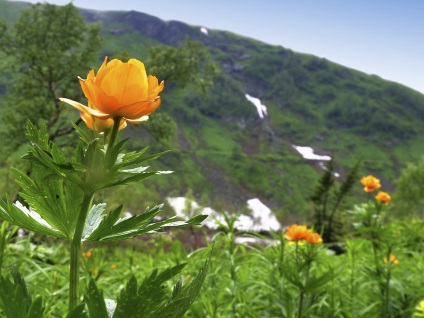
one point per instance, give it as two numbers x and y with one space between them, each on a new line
76 251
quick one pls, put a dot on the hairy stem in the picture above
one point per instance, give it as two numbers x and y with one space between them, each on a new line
75 251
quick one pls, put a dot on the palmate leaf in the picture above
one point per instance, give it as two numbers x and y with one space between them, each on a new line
131 159
94 218
182 297
111 227
148 298
15 301
30 220
63 170
55 200
78 312
95 302
133 178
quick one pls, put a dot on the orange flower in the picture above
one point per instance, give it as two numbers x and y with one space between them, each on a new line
383 197
313 238
119 90
87 254
392 259
370 183
113 266
297 232
100 125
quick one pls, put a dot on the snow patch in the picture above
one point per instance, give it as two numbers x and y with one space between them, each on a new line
262 111
322 165
262 218
308 153
204 30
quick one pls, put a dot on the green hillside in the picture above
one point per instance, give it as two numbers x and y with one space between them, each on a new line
227 154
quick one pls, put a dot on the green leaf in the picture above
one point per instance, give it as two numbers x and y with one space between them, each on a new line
30 220
183 297
94 218
112 226
127 300
85 137
95 301
36 310
78 312
197 220
131 159
55 200
105 225
315 284
115 152
135 170
15 299
138 177
148 298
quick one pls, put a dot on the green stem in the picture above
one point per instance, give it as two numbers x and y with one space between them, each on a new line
75 251
386 310
115 129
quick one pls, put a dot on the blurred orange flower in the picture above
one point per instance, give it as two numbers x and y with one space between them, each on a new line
370 183
87 254
383 197
392 259
113 266
313 238
118 90
297 232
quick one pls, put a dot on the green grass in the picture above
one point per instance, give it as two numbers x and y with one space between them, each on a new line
248 281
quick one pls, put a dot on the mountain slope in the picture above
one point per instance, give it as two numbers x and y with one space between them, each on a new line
227 154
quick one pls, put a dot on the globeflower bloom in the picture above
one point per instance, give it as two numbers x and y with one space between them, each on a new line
118 90
383 197
392 259
370 183
297 232
100 125
419 309
313 238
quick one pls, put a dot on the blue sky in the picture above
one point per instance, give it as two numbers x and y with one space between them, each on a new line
382 37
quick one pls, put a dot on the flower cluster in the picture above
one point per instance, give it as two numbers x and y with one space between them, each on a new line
297 232
371 184
392 259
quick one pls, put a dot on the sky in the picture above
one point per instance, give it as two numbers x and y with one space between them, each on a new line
381 37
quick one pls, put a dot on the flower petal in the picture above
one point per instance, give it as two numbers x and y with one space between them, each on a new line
138 109
84 109
138 120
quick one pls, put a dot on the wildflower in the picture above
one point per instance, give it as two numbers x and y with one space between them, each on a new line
187 277
113 266
383 197
370 183
93 271
100 125
297 232
87 254
419 309
392 259
118 90
313 238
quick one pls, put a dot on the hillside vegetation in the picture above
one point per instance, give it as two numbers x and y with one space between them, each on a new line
227 154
